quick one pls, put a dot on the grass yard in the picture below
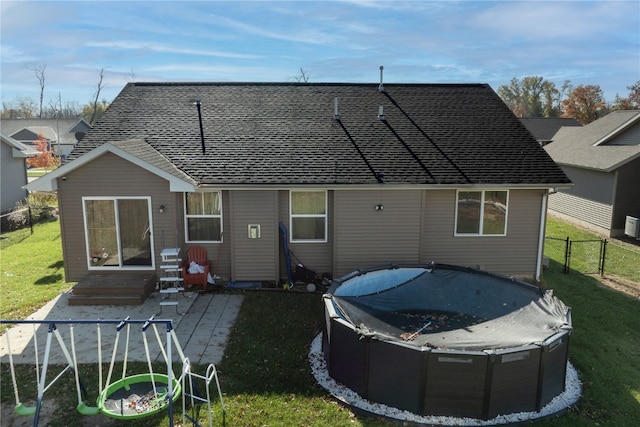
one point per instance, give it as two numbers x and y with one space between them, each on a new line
266 378
37 172
31 269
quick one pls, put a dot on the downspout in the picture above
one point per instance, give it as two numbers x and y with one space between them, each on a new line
543 226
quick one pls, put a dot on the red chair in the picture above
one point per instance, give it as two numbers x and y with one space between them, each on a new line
196 254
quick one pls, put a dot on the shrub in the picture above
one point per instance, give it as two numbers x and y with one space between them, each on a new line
37 207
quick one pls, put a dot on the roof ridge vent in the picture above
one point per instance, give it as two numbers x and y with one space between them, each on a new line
381 86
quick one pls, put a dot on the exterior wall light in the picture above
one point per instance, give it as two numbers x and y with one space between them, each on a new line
378 207
162 208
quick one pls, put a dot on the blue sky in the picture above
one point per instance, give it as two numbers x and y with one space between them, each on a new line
586 42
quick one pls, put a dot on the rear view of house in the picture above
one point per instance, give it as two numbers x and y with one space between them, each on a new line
603 161
359 174
13 155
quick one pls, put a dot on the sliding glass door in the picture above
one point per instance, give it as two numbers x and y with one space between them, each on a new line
118 232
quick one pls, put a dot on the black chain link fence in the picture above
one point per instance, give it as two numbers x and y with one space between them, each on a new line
596 256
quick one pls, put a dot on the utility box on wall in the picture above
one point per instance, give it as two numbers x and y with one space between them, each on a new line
254 231
632 227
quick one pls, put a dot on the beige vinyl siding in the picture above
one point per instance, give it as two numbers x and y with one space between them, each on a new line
254 259
110 176
316 256
513 254
365 237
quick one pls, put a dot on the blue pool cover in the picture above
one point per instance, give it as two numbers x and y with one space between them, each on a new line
465 308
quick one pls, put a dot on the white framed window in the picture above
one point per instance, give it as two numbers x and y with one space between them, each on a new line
481 213
308 216
203 216
118 233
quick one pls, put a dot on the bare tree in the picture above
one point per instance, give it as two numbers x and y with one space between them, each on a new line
19 108
302 77
39 71
95 99
132 75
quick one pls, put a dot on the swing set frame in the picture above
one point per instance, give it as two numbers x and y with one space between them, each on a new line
171 386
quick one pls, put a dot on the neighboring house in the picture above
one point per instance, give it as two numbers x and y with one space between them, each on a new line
361 175
13 169
602 159
544 128
26 131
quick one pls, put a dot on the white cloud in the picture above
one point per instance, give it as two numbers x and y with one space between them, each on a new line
164 48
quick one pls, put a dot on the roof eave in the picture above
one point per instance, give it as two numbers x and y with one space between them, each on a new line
292 186
624 126
610 168
48 182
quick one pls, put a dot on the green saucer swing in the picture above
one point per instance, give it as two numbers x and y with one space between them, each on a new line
137 396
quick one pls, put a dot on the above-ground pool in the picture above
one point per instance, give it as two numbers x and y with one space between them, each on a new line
446 340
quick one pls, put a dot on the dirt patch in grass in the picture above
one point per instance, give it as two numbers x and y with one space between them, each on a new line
620 284
48 412
11 419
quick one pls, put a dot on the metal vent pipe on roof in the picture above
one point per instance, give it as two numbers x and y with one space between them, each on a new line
381 113
336 116
200 121
381 86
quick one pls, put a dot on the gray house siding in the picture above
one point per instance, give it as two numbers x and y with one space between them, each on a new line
629 137
594 185
14 176
254 258
106 178
589 204
366 237
627 195
513 254
575 209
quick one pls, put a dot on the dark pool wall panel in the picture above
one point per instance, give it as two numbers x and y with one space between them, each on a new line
348 360
512 381
455 384
427 381
396 375
553 368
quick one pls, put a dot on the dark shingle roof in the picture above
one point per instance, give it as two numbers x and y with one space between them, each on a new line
285 133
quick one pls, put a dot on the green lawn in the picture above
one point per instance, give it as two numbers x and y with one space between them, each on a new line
265 375
37 172
32 269
622 259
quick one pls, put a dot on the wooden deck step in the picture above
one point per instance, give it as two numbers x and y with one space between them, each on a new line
105 300
113 289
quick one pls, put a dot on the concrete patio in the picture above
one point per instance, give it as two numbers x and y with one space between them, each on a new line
201 321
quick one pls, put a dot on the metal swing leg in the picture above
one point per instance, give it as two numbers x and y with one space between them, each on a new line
20 408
